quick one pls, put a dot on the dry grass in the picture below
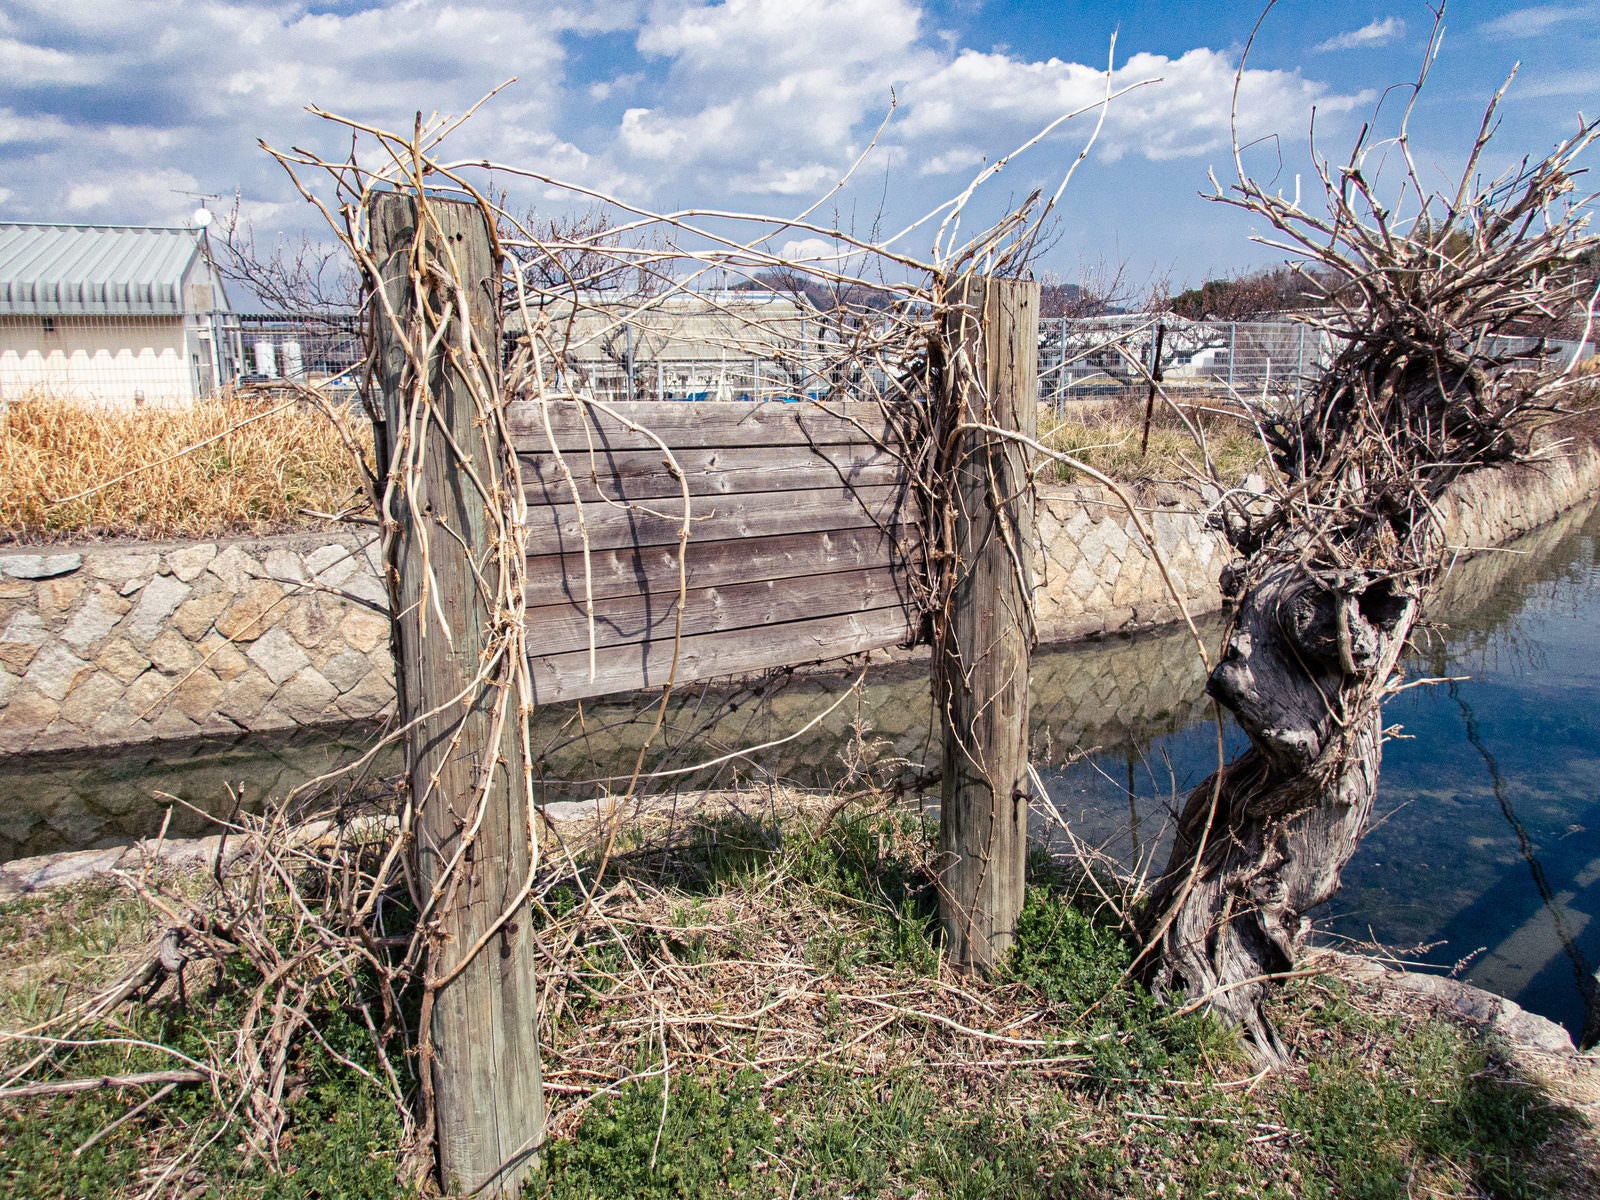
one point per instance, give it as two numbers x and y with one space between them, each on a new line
756 1005
1107 437
234 465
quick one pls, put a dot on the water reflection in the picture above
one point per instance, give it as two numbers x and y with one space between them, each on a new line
79 800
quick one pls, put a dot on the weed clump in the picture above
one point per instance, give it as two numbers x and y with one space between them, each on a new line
230 465
704 1137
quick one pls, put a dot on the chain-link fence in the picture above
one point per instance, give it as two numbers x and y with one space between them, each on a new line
127 359
136 359
1086 358
1090 358
131 359
313 348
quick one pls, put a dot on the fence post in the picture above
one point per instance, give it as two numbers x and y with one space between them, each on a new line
488 1096
980 668
1061 386
1300 365
633 391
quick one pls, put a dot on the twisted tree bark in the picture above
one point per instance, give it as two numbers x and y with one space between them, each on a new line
1335 563
1264 841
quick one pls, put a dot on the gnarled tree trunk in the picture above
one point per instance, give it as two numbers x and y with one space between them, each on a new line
1335 562
1263 841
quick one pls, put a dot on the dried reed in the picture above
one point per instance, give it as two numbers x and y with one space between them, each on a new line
1108 438
238 464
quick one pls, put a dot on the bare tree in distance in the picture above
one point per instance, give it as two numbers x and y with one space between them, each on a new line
583 252
1252 295
1103 288
294 273
1335 564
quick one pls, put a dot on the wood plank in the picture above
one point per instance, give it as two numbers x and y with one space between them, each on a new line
643 474
634 571
578 426
649 664
627 620
554 529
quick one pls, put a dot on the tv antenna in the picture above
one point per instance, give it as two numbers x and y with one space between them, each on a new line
201 217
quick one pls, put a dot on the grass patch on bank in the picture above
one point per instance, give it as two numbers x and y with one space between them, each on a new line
344 1137
1107 436
259 465
760 1008
815 1045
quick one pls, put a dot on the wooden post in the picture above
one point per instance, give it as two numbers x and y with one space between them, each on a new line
488 1097
981 664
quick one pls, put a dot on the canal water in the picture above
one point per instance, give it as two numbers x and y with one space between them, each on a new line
1484 856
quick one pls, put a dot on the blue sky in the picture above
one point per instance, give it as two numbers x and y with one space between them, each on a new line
109 111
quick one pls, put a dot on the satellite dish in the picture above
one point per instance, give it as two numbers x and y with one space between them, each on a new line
201 217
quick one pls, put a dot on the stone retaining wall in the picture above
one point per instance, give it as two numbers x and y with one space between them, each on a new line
103 643
1095 573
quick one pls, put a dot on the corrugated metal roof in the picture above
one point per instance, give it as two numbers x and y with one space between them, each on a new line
65 269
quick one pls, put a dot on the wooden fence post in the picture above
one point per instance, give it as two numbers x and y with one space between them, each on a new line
981 663
488 1096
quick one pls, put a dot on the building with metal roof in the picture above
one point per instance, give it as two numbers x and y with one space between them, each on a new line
719 344
116 314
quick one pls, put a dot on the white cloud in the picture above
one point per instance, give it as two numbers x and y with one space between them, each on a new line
1533 22
1562 83
957 158
808 250
756 86
27 64
1185 114
1377 33
757 38
622 85
114 106
752 82
115 88
157 192
16 128
773 179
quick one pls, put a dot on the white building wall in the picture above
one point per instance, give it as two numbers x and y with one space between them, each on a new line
109 360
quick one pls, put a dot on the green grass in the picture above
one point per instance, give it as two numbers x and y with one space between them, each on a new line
1120 1099
342 1139
343 1136
62 943
1143 1116
1437 1114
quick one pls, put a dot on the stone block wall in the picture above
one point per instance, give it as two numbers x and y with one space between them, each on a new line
103 644
1489 508
1094 572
